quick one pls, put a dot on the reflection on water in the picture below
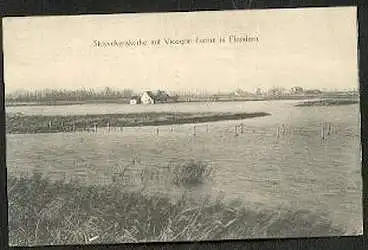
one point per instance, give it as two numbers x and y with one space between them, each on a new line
261 165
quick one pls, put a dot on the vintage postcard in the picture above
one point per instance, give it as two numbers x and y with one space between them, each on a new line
183 126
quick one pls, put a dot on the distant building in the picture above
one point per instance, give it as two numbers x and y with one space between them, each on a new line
162 97
135 100
149 97
296 90
241 93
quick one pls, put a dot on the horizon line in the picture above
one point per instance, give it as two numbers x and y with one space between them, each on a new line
177 90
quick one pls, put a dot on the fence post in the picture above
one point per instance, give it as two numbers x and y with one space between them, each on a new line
108 127
95 127
194 130
207 128
322 132
157 131
236 130
241 128
74 126
278 133
50 124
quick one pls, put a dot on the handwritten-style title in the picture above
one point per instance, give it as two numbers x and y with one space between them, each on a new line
171 42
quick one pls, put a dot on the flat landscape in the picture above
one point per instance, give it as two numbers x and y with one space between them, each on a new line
294 166
242 126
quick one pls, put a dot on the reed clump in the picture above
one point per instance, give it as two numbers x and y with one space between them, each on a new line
191 172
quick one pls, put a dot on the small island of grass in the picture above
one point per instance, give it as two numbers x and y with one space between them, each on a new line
22 124
327 102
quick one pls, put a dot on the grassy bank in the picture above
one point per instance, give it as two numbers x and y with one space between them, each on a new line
54 124
42 212
328 102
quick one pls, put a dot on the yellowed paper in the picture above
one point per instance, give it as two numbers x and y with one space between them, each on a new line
183 126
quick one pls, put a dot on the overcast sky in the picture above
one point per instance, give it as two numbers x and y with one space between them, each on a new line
312 48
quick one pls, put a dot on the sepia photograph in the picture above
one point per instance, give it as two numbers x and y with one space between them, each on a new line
182 126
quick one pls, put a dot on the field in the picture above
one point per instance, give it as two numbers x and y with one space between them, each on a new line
293 173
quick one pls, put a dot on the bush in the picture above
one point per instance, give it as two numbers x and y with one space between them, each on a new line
191 173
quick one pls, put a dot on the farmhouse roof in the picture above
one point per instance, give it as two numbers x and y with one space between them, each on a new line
150 94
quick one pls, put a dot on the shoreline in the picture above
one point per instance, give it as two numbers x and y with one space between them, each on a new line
55 124
191 100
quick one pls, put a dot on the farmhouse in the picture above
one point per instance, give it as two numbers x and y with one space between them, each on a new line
149 97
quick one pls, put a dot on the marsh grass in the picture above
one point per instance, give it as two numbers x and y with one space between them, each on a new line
328 102
191 172
185 173
41 124
45 212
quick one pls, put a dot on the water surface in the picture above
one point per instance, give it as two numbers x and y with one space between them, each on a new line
297 168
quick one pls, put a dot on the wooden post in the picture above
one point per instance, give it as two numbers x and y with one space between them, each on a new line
241 128
108 127
236 130
157 131
278 133
95 127
50 124
207 128
74 126
329 132
194 130
322 132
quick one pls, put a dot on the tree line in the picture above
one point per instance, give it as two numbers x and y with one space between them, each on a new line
83 94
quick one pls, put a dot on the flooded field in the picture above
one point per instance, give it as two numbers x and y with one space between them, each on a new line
111 108
264 165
